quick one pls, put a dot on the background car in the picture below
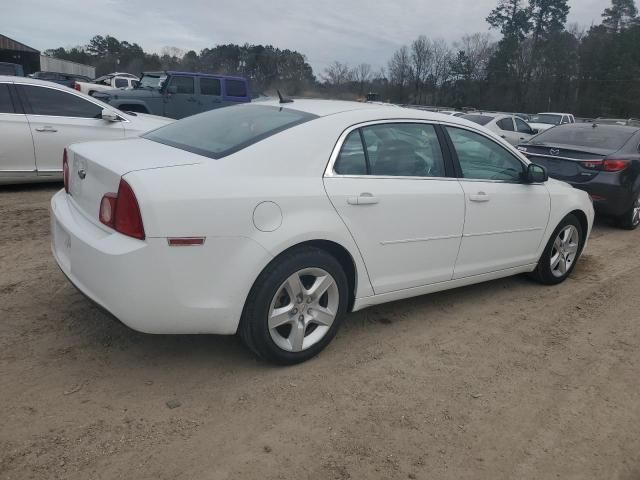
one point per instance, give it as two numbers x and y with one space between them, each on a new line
513 129
545 121
66 79
274 219
179 94
107 82
603 160
38 119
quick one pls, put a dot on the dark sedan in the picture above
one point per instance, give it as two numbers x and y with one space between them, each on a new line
603 160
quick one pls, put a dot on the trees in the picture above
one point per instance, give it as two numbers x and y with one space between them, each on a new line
621 15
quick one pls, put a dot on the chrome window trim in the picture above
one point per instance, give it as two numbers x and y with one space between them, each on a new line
69 91
330 172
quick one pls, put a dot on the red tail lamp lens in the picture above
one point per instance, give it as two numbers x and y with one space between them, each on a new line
121 212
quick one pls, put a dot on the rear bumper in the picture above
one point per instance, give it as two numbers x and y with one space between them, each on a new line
609 196
150 286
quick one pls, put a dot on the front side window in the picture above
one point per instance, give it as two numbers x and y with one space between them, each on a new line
505 124
6 105
209 86
48 101
184 85
522 127
223 131
483 159
122 83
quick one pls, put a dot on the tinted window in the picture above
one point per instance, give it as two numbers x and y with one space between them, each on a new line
351 160
505 124
483 159
479 119
209 86
522 127
546 118
223 131
236 88
403 149
183 84
607 137
121 83
6 105
47 101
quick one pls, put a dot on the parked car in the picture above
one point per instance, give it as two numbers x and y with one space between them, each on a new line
632 122
38 119
13 69
545 121
454 113
107 82
179 94
513 129
66 79
603 160
275 219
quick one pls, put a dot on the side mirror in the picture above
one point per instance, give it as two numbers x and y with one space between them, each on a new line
172 89
536 174
535 131
109 116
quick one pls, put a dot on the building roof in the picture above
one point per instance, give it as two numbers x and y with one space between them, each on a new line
7 43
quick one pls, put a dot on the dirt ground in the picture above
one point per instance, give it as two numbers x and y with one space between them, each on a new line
505 380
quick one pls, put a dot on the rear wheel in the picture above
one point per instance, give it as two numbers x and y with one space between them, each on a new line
631 219
295 306
561 253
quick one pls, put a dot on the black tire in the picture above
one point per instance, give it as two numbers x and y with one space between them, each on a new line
254 330
630 219
543 272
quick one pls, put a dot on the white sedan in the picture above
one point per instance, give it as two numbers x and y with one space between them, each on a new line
510 127
38 119
275 220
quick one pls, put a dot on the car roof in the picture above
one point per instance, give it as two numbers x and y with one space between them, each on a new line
199 74
29 80
552 113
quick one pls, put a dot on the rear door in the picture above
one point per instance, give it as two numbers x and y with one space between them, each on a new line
183 102
505 219
523 130
394 188
210 93
60 117
16 144
507 130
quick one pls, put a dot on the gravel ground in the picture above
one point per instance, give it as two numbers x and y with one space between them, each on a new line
505 380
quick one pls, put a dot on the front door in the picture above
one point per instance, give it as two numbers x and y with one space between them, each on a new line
16 144
59 118
180 97
505 219
390 186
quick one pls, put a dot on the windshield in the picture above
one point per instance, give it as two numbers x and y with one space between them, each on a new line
223 131
152 81
546 118
479 119
603 137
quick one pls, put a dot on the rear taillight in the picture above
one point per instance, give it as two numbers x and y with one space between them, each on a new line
76 86
121 212
65 171
606 165
614 165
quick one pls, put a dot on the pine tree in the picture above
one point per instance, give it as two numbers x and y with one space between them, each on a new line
621 15
511 18
548 17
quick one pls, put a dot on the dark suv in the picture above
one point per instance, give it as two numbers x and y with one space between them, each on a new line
179 94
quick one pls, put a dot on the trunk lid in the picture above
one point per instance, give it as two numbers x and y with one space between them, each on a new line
566 162
95 168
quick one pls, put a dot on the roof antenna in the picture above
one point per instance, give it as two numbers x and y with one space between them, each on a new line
283 99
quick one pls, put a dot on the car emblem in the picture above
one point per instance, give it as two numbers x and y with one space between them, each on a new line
82 173
554 151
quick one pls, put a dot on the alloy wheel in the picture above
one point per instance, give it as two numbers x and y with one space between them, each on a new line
303 309
564 251
635 213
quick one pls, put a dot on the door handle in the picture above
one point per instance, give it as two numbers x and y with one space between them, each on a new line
480 197
363 199
46 129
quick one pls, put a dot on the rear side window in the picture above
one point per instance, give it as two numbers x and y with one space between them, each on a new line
209 86
236 88
121 83
223 131
506 124
352 159
48 101
6 105
184 85
479 119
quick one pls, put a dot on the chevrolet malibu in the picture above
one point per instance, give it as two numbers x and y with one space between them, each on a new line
273 220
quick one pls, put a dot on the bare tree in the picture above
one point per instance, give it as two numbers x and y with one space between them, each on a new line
474 51
399 71
440 66
362 75
337 74
421 61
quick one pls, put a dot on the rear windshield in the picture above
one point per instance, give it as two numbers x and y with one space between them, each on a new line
223 131
547 119
608 138
479 119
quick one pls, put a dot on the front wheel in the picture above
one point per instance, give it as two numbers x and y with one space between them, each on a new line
295 306
561 253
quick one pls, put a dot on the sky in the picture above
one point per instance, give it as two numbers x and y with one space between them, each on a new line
351 31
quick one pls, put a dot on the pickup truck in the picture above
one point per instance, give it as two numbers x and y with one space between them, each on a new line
106 83
179 94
